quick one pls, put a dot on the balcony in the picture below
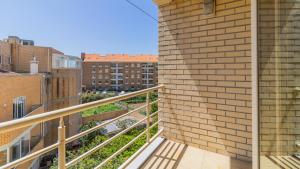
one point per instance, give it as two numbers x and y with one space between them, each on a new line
157 152
60 146
172 154
65 62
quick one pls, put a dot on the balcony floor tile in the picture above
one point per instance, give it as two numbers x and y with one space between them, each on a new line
173 155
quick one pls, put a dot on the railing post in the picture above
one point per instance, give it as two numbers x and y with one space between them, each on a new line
8 155
62 144
148 117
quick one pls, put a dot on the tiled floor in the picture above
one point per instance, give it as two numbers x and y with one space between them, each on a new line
279 162
172 155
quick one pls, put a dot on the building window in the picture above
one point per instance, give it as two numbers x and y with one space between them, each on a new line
20 148
0 59
19 107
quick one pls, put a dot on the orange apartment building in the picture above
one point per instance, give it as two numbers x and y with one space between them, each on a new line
34 77
21 96
119 72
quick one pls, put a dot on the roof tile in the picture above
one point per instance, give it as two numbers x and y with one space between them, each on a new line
120 58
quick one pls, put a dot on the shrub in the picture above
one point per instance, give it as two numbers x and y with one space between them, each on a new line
100 155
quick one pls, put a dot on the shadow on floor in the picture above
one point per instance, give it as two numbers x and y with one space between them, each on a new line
173 155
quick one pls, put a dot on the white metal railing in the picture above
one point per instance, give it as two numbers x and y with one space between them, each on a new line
62 140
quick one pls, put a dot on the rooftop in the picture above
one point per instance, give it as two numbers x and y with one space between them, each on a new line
120 58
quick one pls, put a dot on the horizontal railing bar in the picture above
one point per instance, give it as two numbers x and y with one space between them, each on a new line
29 157
39 118
156 101
124 147
77 136
74 161
155 113
131 158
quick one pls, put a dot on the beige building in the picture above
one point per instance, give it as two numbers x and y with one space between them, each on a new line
21 96
119 72
5 57
42 79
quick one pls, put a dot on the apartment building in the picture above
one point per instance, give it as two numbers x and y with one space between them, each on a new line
5 57
17 40
21 96
119 72
44 74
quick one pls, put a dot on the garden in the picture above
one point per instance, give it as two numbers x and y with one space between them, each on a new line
96 138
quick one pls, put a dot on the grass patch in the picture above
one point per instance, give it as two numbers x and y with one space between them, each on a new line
100 110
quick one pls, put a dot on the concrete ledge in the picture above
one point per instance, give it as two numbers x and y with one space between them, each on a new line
143 157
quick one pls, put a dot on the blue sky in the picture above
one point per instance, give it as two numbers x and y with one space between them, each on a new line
75 26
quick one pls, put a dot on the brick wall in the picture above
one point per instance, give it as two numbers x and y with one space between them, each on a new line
63 88
13 86
205 64
22 55
5 53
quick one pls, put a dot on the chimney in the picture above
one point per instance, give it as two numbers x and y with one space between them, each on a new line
34 66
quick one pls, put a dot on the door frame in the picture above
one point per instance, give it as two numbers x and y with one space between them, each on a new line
254 66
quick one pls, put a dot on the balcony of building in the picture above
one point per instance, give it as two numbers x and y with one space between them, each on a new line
230 96
60 61
174 155
158 151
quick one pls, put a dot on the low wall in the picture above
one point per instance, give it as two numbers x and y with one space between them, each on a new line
103 116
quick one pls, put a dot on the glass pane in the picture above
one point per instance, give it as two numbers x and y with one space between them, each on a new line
14 111
35 136
16 151
20 109
279 83
24 145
